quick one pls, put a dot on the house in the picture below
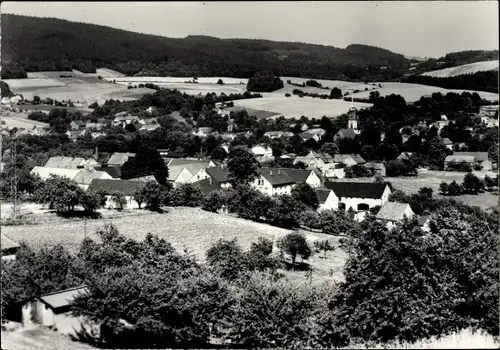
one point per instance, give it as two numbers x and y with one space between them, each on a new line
77 125
376 168
308 176
73 135
203 132
53 310
326 199
118 159
85 176
314 134
110 186
358 195
219 175
187 170
262 153
424 223
405 156
207 186
306 137
45 172
316 160
38 131
392 212
67 162
93 126
447 143
481 158
348 159
344 134
273 182
453 159
278 134
9 248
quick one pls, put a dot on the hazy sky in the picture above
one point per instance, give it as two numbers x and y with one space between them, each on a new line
419 28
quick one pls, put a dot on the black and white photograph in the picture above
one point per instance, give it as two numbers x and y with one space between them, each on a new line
249 175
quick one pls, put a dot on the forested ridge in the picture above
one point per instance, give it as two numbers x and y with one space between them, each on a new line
60 45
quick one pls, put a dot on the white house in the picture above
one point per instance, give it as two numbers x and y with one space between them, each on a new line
187 170
316 160
480 158
126 187
277 181
392 212
360 196
326 199
9 248
262 153
53 310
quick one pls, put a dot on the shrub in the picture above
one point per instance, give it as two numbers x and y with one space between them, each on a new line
215 201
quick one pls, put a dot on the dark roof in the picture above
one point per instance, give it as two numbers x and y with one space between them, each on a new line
113 171
307 136
208 186
356 189
127 187
347 133
322 195
422 220
299 175
275 176
218 174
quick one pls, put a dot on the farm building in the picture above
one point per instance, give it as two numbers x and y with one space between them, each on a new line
454 159
118 159
53 310
326 199
9 248
219 175
392 212
126 187
360 196
481 158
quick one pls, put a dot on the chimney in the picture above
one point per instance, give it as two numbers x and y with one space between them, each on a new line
271 172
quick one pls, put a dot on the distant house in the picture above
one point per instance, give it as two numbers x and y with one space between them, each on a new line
118 159
360 196
392 212
312 134
316 160
203 132
38 131
149 126
114 172
277 181
53 310
326 199
77 125
376 168
344 134
278 134
262 154
348 159
453 159
187 170
208 185
9 248
70 162
110 186
306 137
93 126
45 172
424 223
447 143
219 175
73 134
86 176
481 158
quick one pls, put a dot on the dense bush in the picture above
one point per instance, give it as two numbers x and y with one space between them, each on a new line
264 81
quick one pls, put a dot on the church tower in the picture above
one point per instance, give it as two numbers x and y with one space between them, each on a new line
352 122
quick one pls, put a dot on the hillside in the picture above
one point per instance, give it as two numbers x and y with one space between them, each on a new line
455 59
470 68
48 44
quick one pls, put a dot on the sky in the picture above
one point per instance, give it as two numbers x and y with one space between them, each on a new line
412 28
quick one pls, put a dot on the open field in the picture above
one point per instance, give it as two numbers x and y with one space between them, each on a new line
464 69
85 90
47 74
16 122
108 73
192 228
413 92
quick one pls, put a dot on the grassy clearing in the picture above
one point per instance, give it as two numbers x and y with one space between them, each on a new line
464 69
413 92
190 228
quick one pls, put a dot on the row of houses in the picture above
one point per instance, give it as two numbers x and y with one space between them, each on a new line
471 158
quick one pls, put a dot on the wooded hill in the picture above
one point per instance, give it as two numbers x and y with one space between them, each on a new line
49 44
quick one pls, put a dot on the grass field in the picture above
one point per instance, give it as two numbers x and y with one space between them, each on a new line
464 69
413 92
190 228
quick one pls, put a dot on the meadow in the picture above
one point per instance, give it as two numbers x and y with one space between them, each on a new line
185 228
464 69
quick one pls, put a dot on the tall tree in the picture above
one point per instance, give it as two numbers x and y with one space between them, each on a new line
242 166
147 161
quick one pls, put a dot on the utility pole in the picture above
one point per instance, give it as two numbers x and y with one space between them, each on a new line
13 179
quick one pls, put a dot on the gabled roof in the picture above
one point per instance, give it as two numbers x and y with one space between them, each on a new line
62 298
322 195
405 155
64 162
218 174
341 158
276 176
113 171
422 220
480 156
85 177
45 172
315 131
298 175
174 171
307 136
118 158
393 211
127 187
208 186
6 243
460 159
346 133
446 141
356 189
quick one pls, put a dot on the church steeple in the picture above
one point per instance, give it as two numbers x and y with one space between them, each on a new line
352 122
